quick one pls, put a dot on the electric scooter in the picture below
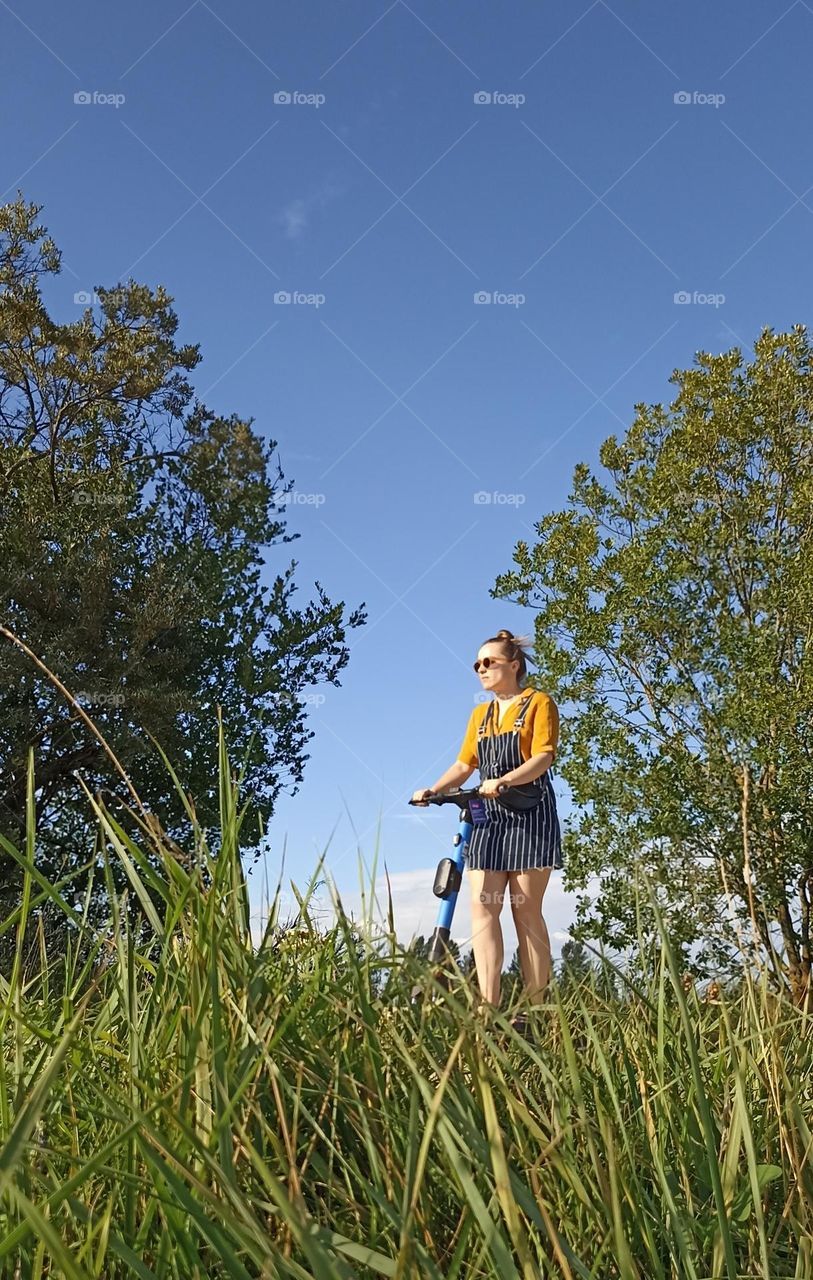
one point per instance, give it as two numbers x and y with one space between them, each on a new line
449 874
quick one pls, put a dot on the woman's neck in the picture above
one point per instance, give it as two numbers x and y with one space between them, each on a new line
506 697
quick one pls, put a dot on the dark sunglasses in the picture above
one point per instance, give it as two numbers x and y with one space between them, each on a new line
485 663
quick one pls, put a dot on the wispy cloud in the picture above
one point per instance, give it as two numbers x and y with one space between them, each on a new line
296 216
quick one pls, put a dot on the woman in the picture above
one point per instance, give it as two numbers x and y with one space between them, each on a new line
511 739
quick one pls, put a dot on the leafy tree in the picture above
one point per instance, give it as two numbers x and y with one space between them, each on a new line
134 525
511 983
674 598
419 947
574 964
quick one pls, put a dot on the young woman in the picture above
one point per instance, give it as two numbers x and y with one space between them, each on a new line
511 739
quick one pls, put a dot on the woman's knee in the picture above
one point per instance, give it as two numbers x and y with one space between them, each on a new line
488 895
526 891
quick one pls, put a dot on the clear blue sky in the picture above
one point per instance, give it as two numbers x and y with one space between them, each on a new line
399 197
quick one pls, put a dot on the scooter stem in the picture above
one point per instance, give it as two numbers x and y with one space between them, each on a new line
449 874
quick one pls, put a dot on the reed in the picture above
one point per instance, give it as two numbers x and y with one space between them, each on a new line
189 1101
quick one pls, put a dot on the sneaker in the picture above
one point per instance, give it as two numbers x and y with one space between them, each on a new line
520 1024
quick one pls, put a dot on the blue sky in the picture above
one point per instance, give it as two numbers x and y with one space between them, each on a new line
624 154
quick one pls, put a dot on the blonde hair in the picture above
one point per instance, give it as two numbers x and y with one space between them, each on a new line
513 648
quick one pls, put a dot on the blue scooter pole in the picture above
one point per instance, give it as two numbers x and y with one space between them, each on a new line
449 874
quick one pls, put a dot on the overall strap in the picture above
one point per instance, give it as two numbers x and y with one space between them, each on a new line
523 710
518 723
486 720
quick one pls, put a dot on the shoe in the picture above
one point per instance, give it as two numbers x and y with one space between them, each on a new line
520 1024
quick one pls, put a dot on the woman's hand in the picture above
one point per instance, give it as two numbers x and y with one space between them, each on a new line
489 786
419 797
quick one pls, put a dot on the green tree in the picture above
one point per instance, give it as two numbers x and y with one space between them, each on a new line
574 964
674 599
134 525
419 947
511 982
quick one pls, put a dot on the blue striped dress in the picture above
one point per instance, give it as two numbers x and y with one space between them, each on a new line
513 840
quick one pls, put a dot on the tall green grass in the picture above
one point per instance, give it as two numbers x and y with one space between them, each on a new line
187 1102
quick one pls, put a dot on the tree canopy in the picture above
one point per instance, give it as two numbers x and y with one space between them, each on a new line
135 525
674 606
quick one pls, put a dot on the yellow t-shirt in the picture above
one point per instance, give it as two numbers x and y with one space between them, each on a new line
539 732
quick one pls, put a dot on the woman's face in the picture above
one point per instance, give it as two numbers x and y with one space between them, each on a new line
500 675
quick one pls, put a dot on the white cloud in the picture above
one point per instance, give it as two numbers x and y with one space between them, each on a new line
294 219
295 216
415 909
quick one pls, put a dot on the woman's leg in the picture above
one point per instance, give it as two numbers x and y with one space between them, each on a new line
487 894
526 891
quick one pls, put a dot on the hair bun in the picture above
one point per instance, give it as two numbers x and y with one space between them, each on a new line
514 649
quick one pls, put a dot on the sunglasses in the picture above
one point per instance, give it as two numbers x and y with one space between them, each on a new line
485 663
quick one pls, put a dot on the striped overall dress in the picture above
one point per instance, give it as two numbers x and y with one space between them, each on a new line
511 840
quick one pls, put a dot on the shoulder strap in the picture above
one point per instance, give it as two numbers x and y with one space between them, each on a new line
523 709
486 720
521 718
518 723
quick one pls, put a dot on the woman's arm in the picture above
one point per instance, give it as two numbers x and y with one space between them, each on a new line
532 768
454 776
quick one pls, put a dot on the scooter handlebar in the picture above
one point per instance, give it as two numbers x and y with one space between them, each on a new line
458 796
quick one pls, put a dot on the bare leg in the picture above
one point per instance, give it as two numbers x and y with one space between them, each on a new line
527 889
487 894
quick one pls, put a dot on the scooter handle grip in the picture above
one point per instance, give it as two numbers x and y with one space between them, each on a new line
417 802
